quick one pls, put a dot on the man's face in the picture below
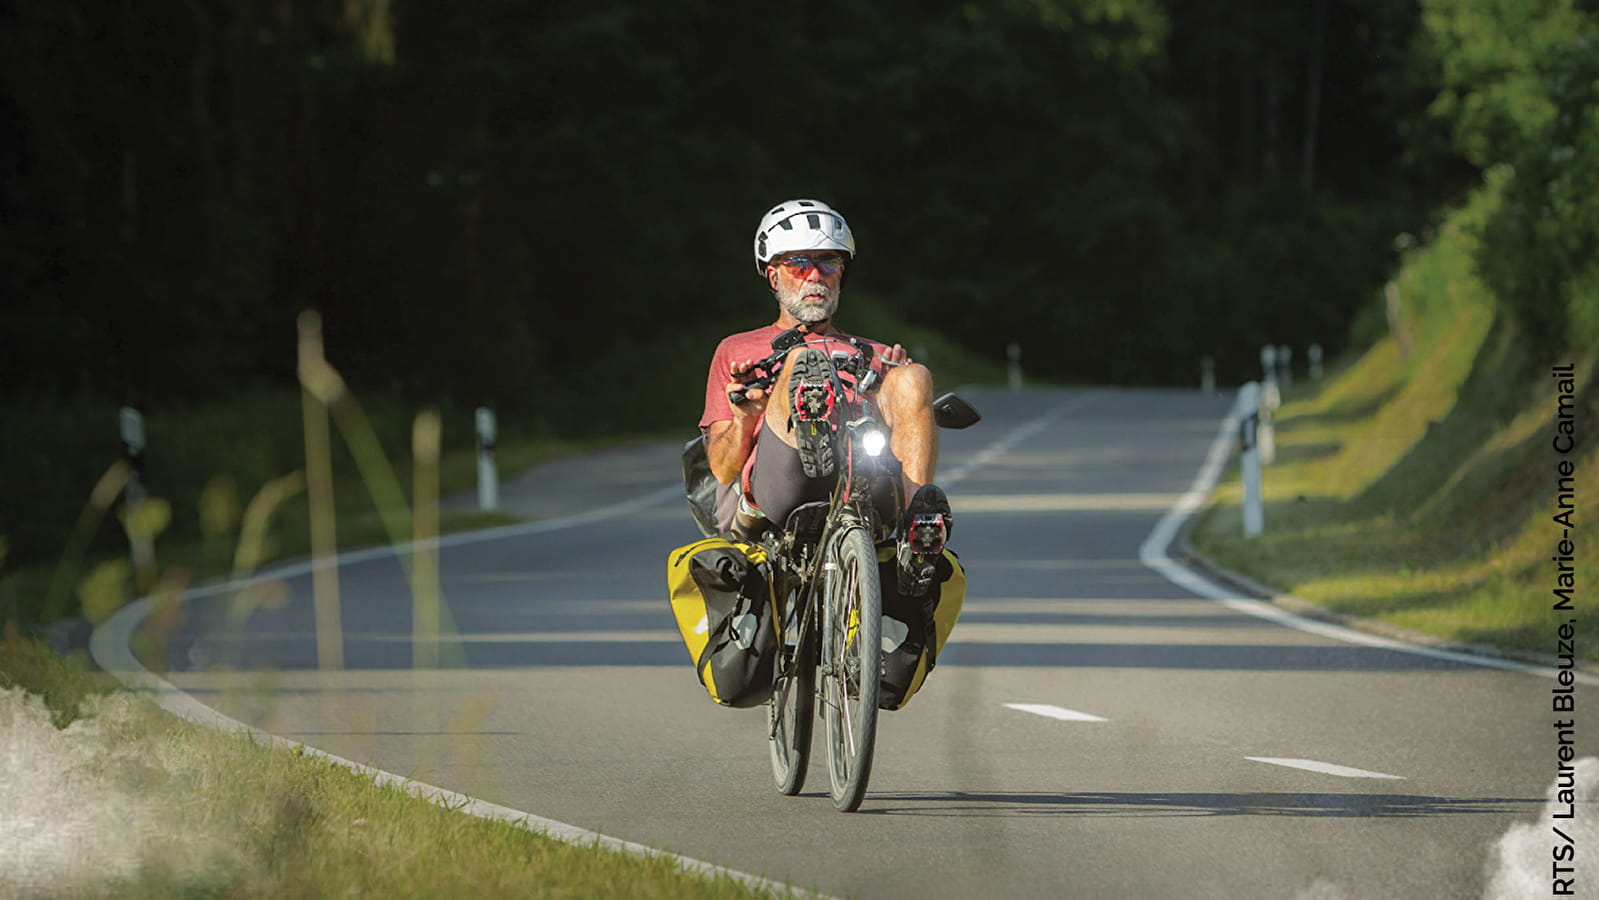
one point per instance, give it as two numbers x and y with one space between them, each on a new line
807 283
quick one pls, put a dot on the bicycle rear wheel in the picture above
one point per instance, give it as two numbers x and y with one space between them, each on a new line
852 665
793 708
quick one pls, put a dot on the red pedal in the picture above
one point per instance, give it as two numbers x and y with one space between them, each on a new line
813 402
928 533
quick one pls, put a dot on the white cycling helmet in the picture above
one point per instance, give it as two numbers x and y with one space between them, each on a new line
801 225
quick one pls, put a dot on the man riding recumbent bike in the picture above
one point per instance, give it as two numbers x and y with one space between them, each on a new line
823 577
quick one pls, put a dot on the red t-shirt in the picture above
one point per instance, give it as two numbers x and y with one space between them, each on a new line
757 345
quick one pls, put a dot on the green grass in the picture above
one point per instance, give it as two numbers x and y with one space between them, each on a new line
1418 489
171 809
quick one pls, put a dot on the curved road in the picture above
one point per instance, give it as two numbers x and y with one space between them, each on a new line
1092 730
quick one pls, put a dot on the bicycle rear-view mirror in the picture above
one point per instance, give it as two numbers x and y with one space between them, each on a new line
788 340
950 411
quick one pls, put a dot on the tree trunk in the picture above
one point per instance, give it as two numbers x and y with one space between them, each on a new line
200 102
1271 92
130 169
1215 147
1247 109
1318 39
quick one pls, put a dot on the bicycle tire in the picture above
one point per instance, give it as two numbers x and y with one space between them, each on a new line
792 711
852 665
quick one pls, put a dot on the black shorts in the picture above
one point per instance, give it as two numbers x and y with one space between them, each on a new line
777 483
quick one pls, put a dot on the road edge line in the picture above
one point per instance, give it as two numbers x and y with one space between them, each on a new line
1214 583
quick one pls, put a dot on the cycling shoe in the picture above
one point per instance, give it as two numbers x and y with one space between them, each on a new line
811 390
928 524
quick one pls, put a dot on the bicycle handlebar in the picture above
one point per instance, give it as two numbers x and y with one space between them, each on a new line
858 365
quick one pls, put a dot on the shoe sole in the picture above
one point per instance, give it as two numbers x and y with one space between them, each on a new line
812 386
922 545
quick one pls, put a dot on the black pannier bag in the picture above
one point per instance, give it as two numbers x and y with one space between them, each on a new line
700 486
915 629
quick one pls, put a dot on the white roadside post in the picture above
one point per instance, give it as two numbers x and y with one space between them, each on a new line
1285 364
1315 361
488 477
1248 412
139 545
1270 399
1014 351
1207 375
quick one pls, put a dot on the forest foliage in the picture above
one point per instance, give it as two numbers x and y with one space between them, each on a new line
485 200
547 207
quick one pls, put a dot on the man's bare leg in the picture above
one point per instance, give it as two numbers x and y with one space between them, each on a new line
781 403
907 402
906 399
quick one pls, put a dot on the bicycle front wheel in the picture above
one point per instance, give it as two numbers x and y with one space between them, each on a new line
852 664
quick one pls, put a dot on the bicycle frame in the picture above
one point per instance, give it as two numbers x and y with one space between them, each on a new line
852 503
806 578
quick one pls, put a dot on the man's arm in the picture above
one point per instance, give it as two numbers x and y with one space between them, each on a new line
728 442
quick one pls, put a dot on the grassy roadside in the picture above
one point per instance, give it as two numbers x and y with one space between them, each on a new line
174 809
1416 485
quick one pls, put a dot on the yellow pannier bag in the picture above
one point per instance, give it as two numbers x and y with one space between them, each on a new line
915 629
723 603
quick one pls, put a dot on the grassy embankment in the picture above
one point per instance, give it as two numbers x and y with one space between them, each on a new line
1417 484
220 814
116 798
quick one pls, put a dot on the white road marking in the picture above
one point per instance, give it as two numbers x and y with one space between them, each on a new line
1055 712
1153 554
1008 441
1311 765
1033 503
494 637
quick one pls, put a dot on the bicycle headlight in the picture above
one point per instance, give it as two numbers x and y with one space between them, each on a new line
873 440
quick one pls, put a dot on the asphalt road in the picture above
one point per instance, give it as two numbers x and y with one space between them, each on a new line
1136 761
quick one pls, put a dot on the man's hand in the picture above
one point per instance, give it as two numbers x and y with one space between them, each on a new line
896 355
754 398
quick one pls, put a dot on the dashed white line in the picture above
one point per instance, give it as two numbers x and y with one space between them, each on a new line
1055 712
1311 765
1008 441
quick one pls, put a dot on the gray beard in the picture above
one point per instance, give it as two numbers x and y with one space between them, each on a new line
806 311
